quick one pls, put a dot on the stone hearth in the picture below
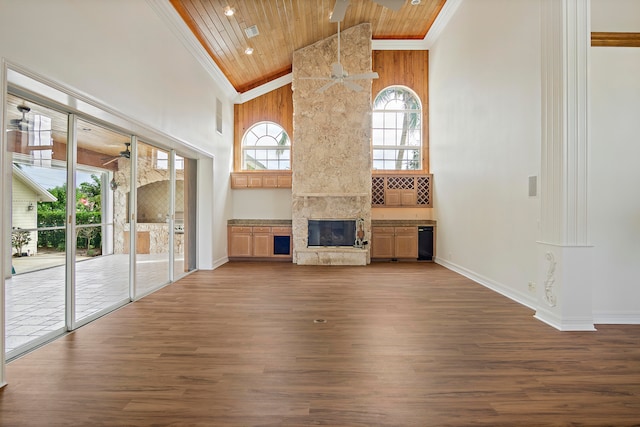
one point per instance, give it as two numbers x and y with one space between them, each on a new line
332 133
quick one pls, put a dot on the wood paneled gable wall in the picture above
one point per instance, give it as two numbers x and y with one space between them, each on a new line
408 68
275 106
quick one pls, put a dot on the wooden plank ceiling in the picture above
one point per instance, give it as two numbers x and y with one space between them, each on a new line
285 26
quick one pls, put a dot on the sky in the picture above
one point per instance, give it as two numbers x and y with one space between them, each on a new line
52 177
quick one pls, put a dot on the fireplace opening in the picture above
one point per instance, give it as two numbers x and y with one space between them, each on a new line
332 232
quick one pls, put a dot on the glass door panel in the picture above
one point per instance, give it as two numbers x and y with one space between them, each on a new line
152 212
102 266
184 251
35 283
179 267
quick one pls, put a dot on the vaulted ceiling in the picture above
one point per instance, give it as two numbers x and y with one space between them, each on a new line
284 26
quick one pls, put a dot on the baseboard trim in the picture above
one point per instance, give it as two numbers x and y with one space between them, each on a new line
219 262
577 324
503 290
622 318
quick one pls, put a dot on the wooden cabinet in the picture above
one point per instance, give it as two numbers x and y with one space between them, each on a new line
400 198
406 242
394 242
259 242
382 242
267 179
409 191
240 242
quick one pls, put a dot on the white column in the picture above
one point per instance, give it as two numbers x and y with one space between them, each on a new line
564 253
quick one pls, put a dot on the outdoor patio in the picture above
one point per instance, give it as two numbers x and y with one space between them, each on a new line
35 296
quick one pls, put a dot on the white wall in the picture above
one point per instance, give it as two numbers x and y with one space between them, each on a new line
262 204
123 55
615 150
485 123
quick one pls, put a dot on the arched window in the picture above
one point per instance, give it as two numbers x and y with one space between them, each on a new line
397 130
266 146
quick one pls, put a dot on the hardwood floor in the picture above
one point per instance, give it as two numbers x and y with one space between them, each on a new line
403 344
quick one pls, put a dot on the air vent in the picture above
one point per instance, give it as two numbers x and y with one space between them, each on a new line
251 31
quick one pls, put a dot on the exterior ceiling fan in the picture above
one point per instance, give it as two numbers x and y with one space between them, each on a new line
21 124
340 8
339 75
126 153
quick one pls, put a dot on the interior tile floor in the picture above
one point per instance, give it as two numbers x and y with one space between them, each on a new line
35 300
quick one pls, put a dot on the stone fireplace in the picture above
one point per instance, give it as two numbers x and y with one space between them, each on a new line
332 133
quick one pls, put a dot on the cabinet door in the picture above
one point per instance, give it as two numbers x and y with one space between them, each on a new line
406 242
393 198
255 182
240 242
269 181
284 181
261 241
408 198
261 244
382 242
239 181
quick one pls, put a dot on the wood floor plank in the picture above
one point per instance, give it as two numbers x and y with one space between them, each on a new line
403 344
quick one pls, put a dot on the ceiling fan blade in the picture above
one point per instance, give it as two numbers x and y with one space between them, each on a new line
363 76
391 4
111 161
339 10
352 86
315 78
326 86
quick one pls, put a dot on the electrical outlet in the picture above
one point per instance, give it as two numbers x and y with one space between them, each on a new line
532 286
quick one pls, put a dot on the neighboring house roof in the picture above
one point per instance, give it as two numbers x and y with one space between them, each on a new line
41 193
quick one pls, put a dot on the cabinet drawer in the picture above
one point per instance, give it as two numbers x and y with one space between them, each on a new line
406 230
239 229
382 230
261 229
281 230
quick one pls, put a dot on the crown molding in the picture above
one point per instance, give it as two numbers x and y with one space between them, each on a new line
398 45
171 17
442 20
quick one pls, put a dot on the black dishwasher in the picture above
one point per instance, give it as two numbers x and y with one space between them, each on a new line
425 243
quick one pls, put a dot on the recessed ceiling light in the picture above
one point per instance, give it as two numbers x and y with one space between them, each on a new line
415 2
248 50
229 11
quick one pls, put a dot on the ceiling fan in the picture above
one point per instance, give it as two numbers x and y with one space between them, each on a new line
339 75
126 154
21 124
340 8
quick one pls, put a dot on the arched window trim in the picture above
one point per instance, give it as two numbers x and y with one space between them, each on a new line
278 148
415 164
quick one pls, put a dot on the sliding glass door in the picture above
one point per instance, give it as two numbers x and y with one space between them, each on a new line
153 218
97 219
35 284
101 275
